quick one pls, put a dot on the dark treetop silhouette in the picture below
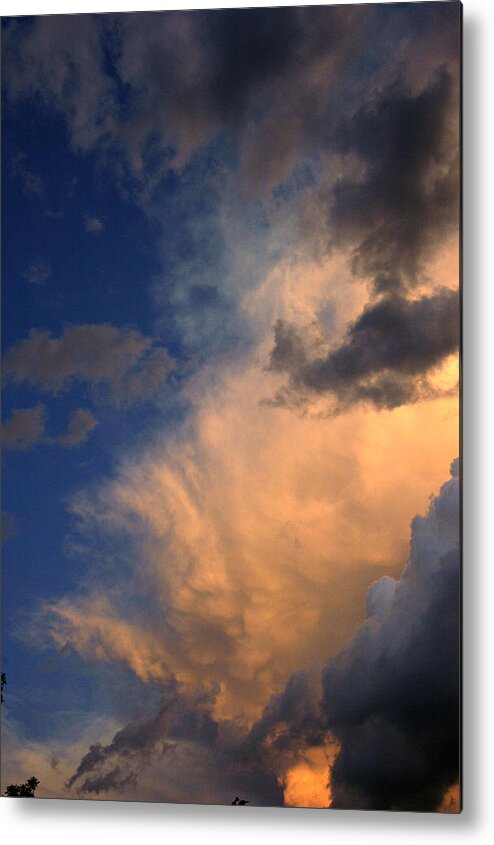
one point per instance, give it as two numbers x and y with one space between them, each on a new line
19 790
22 790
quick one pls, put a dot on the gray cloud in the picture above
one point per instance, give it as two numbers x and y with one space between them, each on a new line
59 61
119 364
81 424
392 695
408 197
93 225
384 357
135 744
38 272
180 724
242 68
32 184
25 428
270 80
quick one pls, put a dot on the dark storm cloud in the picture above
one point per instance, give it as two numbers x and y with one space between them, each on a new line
391 696
179 722
251 47
159 86
407 200
134 745
290 721
393 342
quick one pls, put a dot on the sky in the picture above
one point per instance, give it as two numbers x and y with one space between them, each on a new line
230 491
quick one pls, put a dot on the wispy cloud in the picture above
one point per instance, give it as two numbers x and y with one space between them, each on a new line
32 184
93 225
38 272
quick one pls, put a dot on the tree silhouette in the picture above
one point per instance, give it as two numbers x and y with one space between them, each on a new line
240 802
19 790
22 790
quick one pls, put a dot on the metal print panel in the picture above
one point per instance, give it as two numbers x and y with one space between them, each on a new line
231 414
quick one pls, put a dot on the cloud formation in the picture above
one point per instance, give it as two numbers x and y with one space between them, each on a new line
244 68
93 225
236 551
384 358
81 424
38 272
25 428
32 184
118 364
392 695
405 200
384 714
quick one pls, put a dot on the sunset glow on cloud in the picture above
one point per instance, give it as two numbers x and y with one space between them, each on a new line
237 573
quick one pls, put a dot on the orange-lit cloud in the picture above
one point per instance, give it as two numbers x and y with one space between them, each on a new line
306 784
451 802
256 533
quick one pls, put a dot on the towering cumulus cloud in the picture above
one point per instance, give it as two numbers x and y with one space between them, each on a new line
391 696
384 714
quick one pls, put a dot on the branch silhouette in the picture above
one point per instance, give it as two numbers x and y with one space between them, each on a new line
22 790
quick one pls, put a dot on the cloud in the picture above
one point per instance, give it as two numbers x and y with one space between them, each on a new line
93 225
250 537
392 695
32 184
407 198
243 543
38 272
246 73
383 359
118 364
378 729
25 428
60 62
81 424
10 526
243 69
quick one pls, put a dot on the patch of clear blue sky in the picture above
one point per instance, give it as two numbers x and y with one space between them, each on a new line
95 278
